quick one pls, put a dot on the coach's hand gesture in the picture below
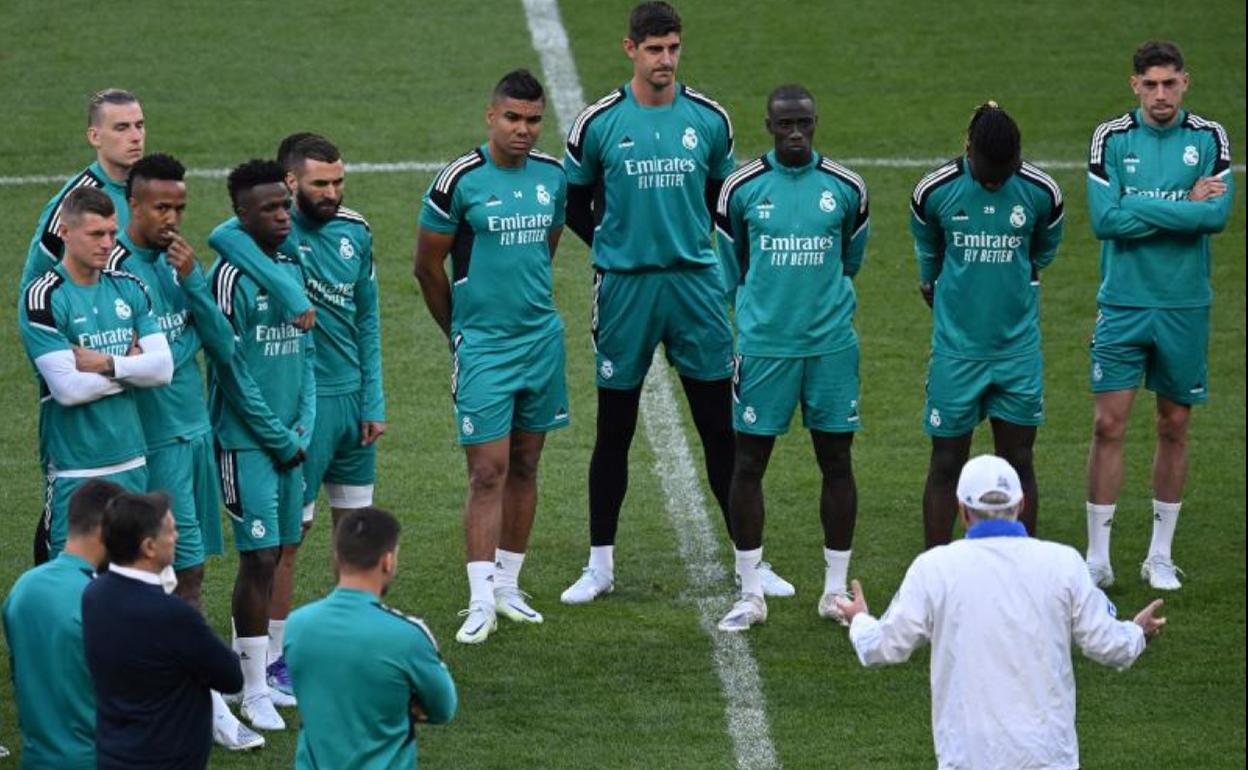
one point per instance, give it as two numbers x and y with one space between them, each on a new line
851 607
1148 620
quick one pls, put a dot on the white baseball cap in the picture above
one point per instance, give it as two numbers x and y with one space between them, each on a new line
984 474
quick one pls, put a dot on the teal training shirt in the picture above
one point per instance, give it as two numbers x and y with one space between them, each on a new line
357 666
46 247
54 692
790 241
177 411
108 316
652 164
1154 241
985 250
235 246
274 405
502 289
341 276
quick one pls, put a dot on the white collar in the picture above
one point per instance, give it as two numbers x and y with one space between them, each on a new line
142 575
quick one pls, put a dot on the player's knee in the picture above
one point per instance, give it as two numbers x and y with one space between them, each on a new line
1172 426
486 475
837 463
259 565
749 465
946 463
523 466
1109 427
1021 458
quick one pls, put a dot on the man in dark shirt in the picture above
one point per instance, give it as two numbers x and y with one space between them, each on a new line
152 656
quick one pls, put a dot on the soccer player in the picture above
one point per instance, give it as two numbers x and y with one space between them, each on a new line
792 232
180 457
498 212
1159 184
262 427
117 131
92 337
984 227
43 626
382 694
335 247
654 153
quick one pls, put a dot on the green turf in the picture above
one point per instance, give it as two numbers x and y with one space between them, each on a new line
630 681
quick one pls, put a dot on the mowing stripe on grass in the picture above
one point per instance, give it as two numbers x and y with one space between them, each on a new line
673 462
561 105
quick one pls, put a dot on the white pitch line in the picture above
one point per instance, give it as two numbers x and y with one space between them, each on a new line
686 507
746 705
561 106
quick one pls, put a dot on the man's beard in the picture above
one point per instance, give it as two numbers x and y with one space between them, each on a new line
321 212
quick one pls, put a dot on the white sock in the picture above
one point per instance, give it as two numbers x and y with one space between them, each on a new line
481 582
1165 518
277 633
507 566
253 651
1100 524
836 576
220 711
747 570
602 558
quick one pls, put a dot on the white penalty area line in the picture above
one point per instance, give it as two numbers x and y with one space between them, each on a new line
686 505
562 104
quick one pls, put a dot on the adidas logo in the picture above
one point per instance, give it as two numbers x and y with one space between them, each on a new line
766 205
961 216
625 143
1131 158
493 201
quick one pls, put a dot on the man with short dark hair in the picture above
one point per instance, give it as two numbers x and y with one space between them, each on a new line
498 212
1001 611
181 460
402 680
653 154
43 626
117 131
335 249
262 427
92 337
1159 185
984 226
152 657
792 234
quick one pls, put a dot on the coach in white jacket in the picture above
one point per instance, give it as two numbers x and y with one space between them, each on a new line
1000 610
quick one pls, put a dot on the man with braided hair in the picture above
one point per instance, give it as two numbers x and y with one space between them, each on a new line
984 226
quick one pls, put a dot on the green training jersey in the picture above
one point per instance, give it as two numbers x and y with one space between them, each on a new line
337 259
356 710
984 250
1154 240
273 406
232 242
502 290
651 165
46 247
177 411
57 314
51 682
790 241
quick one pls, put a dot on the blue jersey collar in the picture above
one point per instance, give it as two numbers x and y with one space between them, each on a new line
996 528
